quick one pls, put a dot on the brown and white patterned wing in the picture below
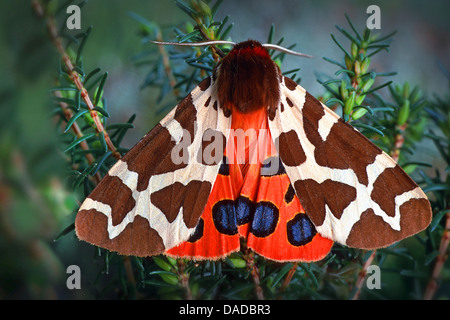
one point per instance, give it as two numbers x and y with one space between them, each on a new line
152 199
352 191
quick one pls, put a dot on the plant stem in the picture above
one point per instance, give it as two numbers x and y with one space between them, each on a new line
166 63
216 52
399 141
288 278
77 131
184 279
249 257
129 270
362 276
56 40
440 260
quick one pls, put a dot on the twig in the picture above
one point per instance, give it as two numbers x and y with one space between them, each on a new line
166 64
288 278
184 279
129 270
249 257
440 260
217 53
399 141
255 274
73 75
77 131
362 276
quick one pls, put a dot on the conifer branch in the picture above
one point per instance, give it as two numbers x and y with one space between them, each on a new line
73 74
74 77
68 114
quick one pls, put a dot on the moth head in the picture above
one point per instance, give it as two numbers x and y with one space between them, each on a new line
249 44
247 78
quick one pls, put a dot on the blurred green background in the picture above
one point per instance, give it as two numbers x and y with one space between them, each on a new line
34 204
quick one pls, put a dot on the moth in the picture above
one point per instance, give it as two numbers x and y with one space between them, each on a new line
250 154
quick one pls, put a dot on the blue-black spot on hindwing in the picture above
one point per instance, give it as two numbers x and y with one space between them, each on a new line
300 230
272 166
265 219
224 217
289 195
198 233
224 168
245 209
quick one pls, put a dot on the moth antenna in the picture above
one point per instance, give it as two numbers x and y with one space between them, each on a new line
195 44
282 49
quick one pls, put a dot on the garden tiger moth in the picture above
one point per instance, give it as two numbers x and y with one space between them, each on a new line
250 154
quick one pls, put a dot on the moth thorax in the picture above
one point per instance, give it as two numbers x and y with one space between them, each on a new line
248 79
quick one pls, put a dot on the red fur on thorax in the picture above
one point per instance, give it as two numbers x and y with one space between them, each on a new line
248 79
